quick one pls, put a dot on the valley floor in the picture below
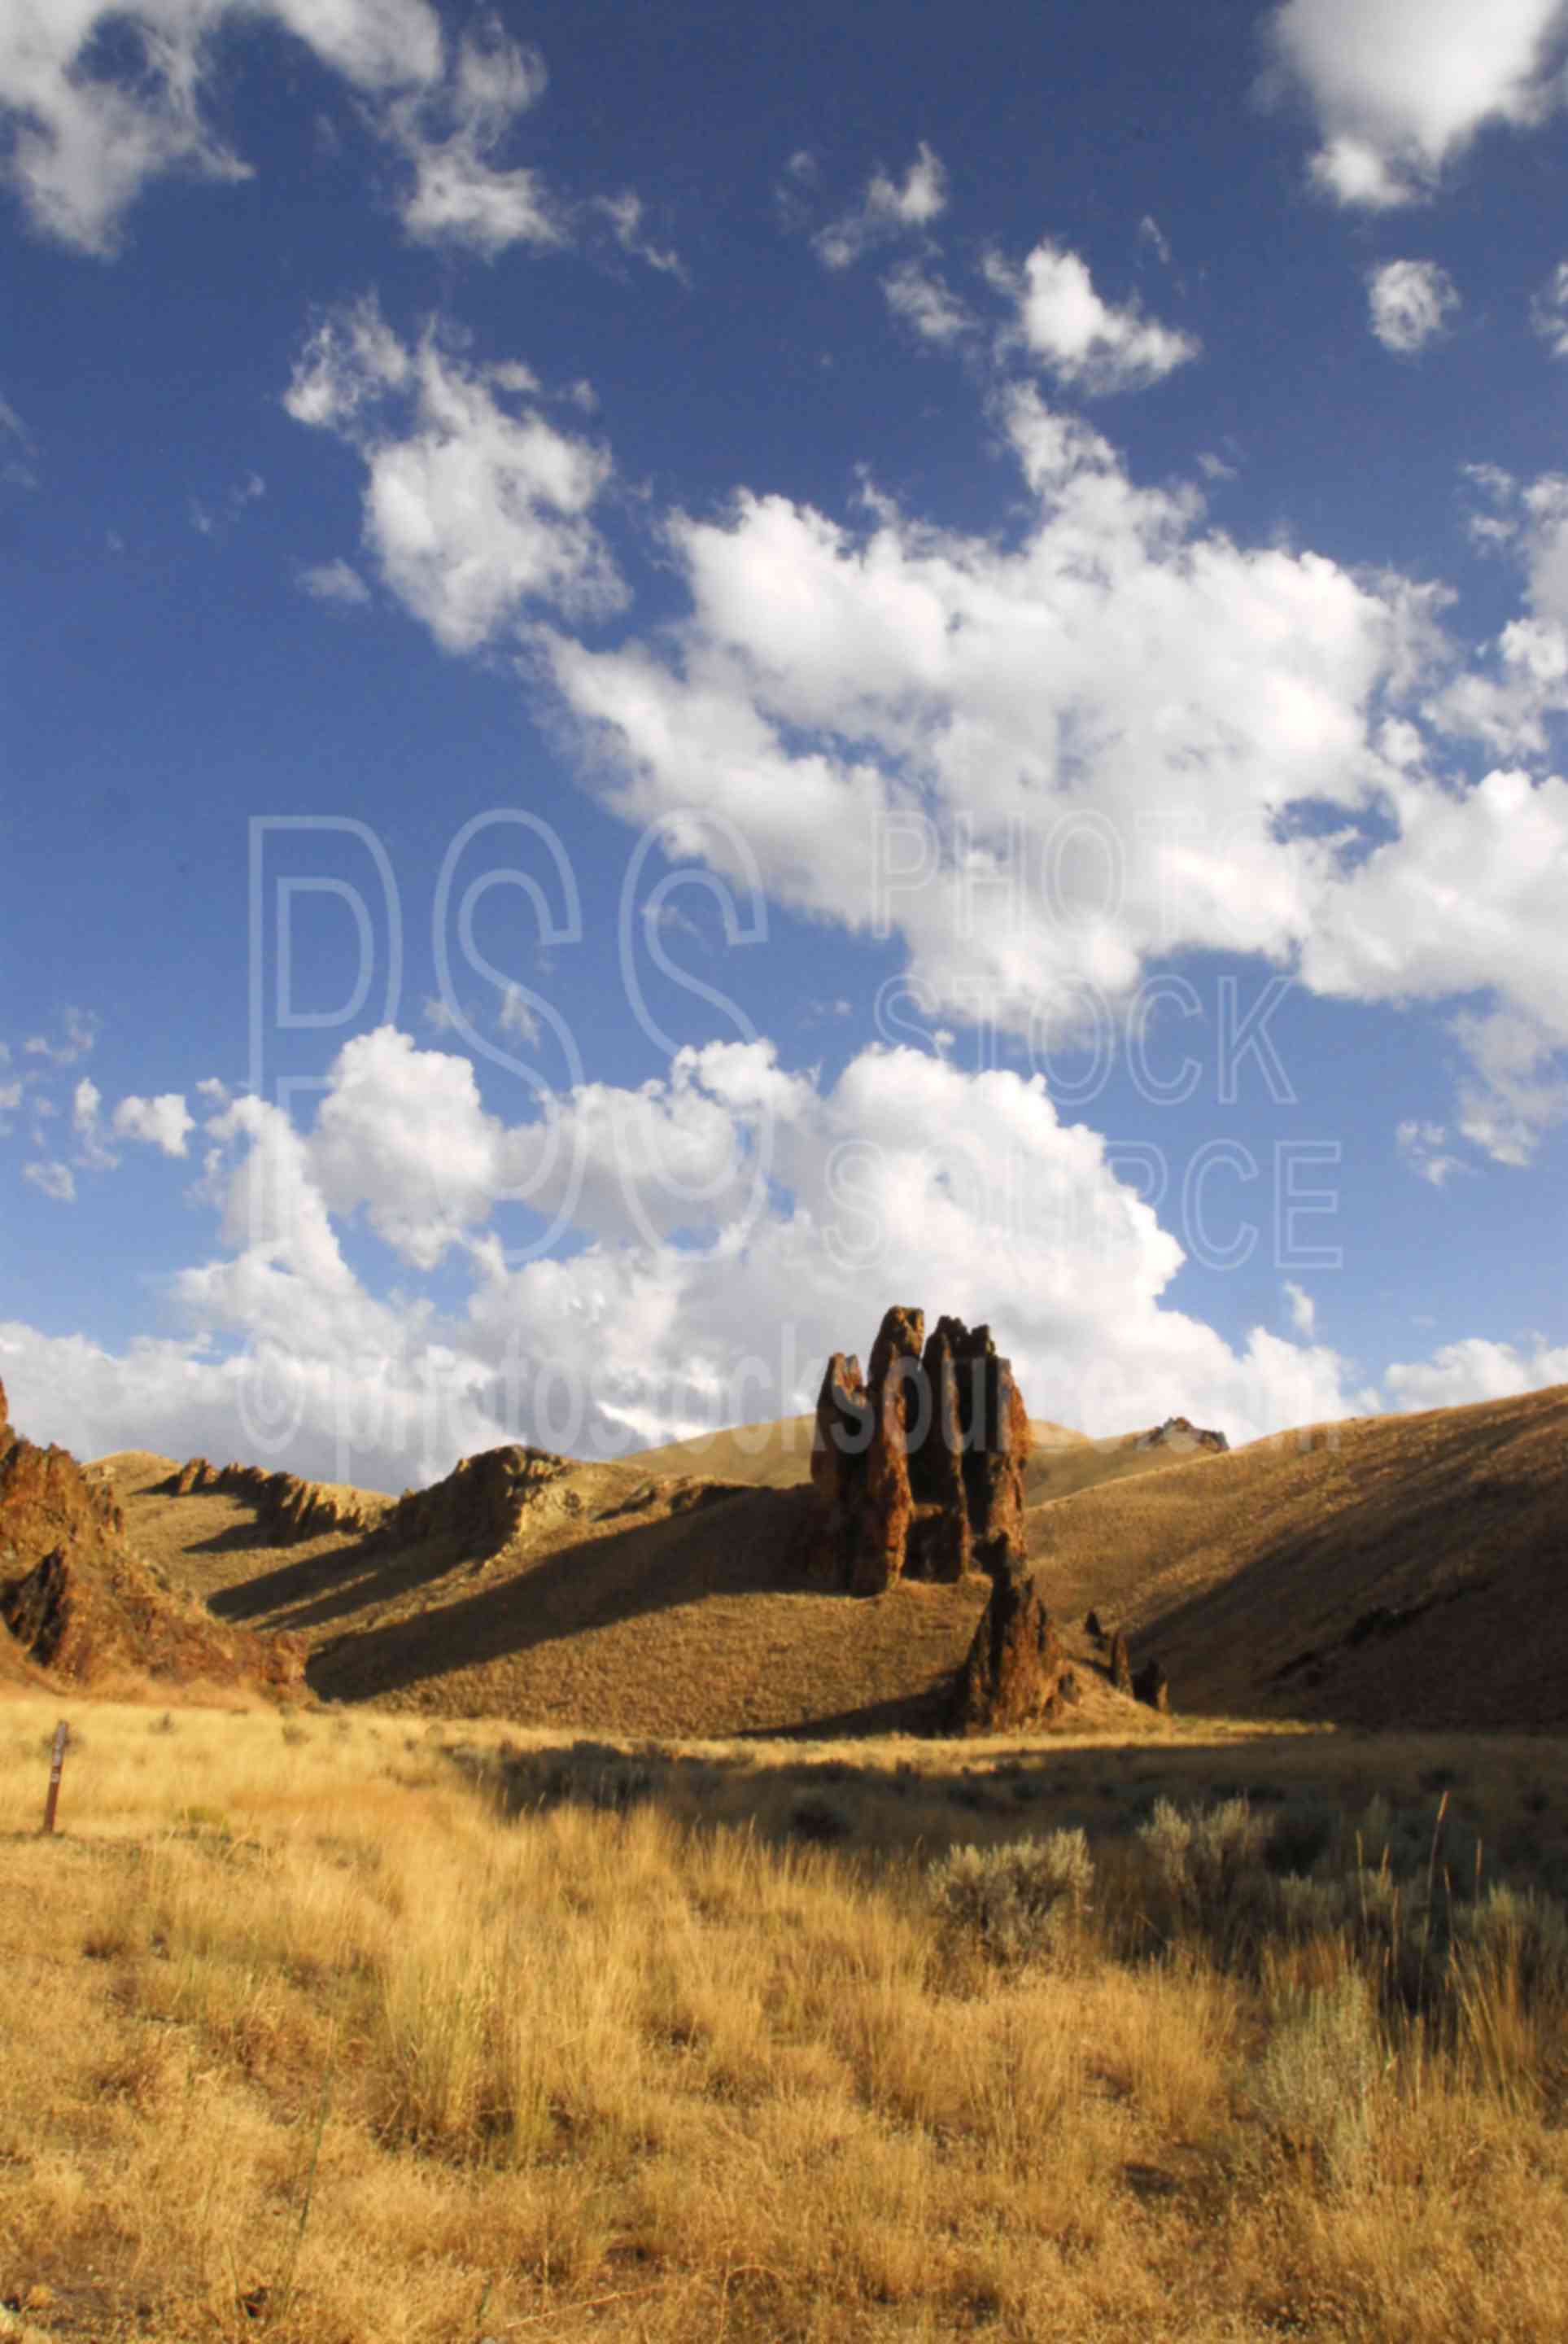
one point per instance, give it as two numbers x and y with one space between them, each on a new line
335 2027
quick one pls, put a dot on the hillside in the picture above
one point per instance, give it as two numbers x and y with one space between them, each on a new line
1395 1570
611 1599
80 1603
1391 1570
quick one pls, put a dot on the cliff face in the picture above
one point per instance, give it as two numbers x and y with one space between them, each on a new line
78 1600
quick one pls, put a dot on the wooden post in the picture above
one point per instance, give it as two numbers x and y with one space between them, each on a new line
57 1765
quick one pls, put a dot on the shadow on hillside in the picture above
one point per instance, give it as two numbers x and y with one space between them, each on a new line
944 1795
923 1713
749 1547
1435 1602
317 1589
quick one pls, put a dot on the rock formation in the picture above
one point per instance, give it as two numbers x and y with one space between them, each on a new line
482 1502
1091 1627
78 1600
1179 1432
287 1509
1016 1677
919 1467
1120 1663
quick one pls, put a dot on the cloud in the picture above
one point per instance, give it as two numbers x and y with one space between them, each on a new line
334 581
515 1017
1520 1090
888 209
449 132
625 215
475 507
211 521
80 1032
1467 899
94 1153
1549 311
1476 1370
56 1180
165 1122
738 1222
1507 696
1150 232
1081 340
792 190
1411 303
1424 1148
1303 1309
921 296
86 140
1401 88
1050 759
18 449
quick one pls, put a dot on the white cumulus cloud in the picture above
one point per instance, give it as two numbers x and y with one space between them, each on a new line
1410 302
1082 339
737 1222
84 141
165 1122
1049 760
450 134
1424 1147
920 295
476 505
1402 87
1476 1370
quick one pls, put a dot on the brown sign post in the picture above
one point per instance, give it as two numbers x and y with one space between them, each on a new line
56 1767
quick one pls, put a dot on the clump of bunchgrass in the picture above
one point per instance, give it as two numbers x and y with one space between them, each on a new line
1314 2084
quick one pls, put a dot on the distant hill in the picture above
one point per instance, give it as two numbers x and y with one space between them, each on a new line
778 1457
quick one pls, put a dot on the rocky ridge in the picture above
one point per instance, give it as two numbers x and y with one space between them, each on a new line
1181 1432
79 1602
286 1508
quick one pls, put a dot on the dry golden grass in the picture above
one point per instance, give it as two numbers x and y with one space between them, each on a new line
303 2037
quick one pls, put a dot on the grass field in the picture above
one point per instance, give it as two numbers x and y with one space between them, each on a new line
344 2027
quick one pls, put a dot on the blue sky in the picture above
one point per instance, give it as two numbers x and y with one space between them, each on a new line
943 649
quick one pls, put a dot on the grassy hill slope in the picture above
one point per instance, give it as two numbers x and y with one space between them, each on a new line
627 1602
1404 1568
1392 1569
